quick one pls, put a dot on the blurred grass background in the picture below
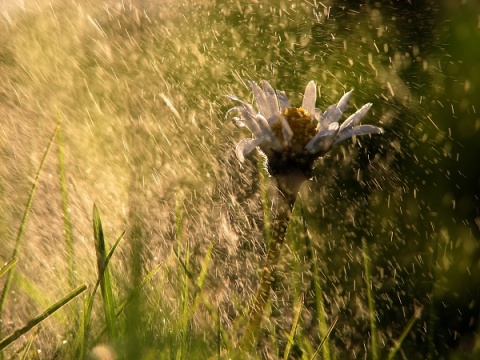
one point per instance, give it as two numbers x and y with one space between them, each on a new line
138 90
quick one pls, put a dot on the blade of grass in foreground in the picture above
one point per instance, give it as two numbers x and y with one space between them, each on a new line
104 276
84 326
198 284
325 338
197 293
65 212
23 224
27 348
183 284
371 301
317 288
399 342
132 295
38 319
293 330
8 266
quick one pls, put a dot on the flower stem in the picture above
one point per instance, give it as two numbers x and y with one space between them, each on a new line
371 301
283 201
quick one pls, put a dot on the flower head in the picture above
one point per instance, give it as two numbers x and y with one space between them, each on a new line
293 138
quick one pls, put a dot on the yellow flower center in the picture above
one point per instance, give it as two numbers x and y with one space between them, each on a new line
302 127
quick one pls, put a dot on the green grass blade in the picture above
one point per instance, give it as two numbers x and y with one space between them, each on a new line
114 247
325 338
205 263
317 287
65 209
399 342
132 295
199 282
183 283
185 293
11 263
27 348
104 276
293 330
431 308
84 326
137 289
371 301
198 285
23 223
38 319
80 344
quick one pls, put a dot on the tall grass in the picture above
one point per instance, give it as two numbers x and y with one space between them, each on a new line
66 208
372 315
106 284
23 224
191 297
35 321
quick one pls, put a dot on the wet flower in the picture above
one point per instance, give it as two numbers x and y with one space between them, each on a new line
293 138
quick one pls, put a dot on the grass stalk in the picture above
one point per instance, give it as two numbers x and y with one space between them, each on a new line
106 285
23 223
198 284
291 336
8 265
408 327
371 301
84 326
200 281
27 348
431 308
41 317
183 281
65 209
282 206
317 289
135 292
325 338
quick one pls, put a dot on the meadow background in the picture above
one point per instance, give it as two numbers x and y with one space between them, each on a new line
138 90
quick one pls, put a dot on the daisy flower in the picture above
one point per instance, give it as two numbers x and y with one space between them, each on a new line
293 138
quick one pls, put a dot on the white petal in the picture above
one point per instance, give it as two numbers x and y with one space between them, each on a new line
342 104
333 112
267 132
358 130
265 127
263 106
355 118
245 147
250 122
243 103
310 97
271 98
283 100
331 115
238 119
323 140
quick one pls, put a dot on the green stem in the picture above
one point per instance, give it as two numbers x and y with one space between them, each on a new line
317 288
371 301
23 224
282 205
65 205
